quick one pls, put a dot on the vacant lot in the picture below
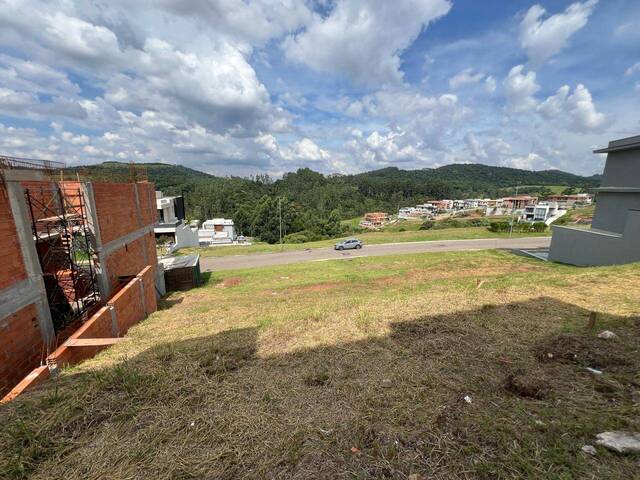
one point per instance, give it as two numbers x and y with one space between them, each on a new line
390 235
352 369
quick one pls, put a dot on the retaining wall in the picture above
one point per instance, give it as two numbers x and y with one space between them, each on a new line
21 346
134 302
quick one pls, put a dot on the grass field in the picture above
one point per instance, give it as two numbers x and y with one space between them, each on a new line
389 235
352 369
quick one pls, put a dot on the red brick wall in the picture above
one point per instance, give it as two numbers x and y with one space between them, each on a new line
116 209
98 326
12 270
128 305
35 377
21 346
149 282
147 196
126 261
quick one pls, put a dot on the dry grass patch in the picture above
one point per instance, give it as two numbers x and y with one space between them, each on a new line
365 381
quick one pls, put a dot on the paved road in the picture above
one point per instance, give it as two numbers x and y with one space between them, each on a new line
320 254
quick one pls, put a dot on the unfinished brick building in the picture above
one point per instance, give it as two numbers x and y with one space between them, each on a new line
68 251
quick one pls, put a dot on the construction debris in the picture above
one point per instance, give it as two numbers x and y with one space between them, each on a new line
619 442
607 334
589 449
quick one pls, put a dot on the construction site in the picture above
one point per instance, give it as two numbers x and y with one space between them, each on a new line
78 266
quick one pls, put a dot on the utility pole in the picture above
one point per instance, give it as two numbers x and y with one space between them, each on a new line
280 215
513 211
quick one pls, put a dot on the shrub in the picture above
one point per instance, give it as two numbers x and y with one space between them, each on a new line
517 227
427 225
302 236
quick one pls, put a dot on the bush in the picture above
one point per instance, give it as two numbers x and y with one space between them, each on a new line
449 223
478 222
427 225
402 229
302 236
517 227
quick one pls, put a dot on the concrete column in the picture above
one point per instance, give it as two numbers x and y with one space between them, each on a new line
142 297
115 330
94 226
22 219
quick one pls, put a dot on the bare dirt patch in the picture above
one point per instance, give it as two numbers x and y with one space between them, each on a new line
318 287
230 282
527 385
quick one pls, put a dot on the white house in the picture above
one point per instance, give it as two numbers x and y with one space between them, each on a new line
217 231
546 212
171 222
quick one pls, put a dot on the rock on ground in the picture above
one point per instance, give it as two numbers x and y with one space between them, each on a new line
620 442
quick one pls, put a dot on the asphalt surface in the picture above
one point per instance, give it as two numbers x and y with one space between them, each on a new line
209 264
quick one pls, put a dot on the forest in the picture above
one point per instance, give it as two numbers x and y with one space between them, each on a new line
312 205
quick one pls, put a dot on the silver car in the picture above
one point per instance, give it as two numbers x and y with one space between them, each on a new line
347 244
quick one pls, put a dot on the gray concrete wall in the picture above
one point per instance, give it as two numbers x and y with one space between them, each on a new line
622 169
589 248
612 209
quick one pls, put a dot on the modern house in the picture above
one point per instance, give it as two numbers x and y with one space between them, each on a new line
546 212
614 237
217 231
171 224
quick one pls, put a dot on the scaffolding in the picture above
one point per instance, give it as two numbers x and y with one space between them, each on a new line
66 251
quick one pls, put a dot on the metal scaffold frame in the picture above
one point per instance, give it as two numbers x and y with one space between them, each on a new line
65 251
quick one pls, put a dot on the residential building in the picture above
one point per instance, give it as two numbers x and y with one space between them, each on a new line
170 209
518 202
427 209
68 249
615 229
546 212
570 200
375 219
408 212
171 215
217 231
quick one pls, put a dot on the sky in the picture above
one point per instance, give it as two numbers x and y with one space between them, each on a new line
236 87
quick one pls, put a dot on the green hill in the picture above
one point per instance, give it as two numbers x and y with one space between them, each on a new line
313 202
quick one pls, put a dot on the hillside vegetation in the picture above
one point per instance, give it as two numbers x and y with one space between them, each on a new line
314 203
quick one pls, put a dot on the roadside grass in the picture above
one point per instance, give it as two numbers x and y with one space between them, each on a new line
352 369
390 235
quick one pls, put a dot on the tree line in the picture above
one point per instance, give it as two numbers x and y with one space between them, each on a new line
306 205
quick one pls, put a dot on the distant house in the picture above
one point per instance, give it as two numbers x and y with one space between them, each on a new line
217 231
171 224
581 198
518 202
375 219
614 236
545 212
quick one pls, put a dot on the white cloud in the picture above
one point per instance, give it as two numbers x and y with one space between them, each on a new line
633 69
520 88
530 161
362 39
544 38
490 84
575 109
465 77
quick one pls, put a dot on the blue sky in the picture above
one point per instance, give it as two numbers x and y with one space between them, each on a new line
340 86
